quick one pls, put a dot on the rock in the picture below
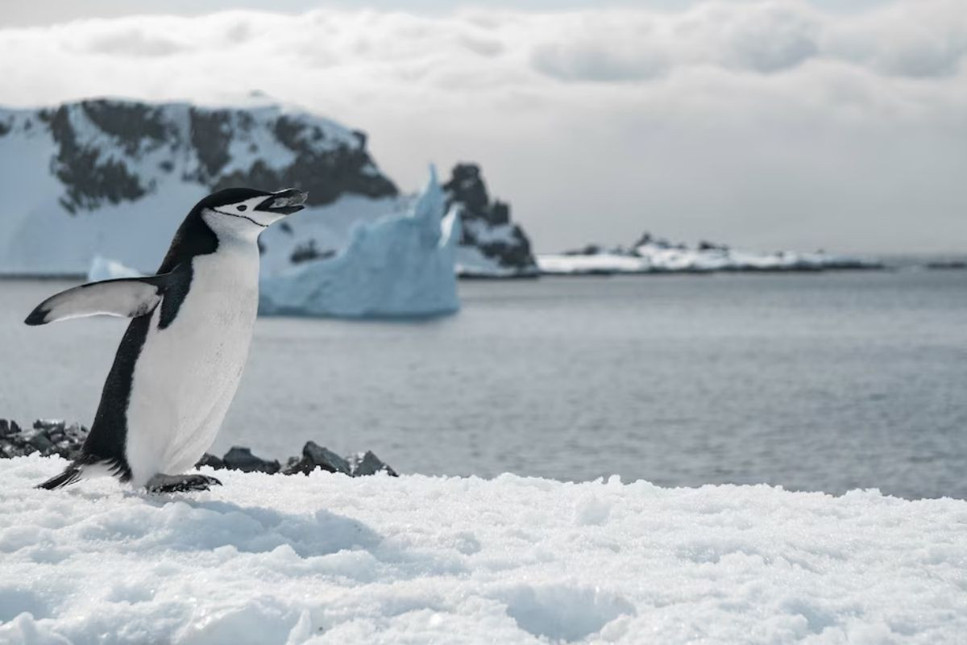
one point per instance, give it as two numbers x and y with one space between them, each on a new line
48 425
41 442
366 463
211 461
239 458
8 428
315 456
76 432
50 437
486 229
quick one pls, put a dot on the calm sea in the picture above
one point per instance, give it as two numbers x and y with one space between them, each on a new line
813 382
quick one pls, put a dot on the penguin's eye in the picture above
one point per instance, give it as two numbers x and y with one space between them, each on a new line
242 207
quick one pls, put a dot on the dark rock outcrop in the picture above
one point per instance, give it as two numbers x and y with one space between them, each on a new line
486 224
101 147
367 463
90 176
211 461
239 458
315 456
307 252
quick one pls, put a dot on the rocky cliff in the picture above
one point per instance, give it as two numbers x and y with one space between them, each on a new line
491 245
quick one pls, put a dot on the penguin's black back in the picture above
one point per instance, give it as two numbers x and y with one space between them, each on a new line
108 434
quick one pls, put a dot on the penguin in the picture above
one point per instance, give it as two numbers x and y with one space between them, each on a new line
179 363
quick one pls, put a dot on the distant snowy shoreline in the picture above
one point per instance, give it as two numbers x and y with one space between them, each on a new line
329 558
650 255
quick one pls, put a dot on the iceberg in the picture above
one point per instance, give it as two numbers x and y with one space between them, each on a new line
401 265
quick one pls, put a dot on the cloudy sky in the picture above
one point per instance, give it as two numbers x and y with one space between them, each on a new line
766 124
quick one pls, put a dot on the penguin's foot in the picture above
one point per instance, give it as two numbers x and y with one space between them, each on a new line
180 483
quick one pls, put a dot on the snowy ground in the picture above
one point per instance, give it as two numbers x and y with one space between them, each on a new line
329 559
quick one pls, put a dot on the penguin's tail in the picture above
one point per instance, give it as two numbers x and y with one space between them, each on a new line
71 475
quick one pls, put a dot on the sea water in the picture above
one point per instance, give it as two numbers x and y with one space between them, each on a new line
825 382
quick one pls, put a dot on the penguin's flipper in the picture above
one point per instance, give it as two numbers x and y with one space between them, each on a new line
127 298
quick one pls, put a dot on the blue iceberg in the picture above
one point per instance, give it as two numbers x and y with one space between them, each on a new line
398 266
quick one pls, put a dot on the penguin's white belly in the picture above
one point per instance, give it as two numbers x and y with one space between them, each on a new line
187 373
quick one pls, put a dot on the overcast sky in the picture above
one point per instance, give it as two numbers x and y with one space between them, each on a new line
765 124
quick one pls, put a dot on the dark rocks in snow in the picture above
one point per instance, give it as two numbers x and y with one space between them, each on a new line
307 252
324 172
100 147
89 177
315 456
8 428
711 246
208 129
211 461
49 437
239 458
647 239
367 463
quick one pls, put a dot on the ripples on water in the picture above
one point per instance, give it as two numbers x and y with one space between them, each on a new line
816 382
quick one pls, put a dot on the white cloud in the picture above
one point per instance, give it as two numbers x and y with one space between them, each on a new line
765 123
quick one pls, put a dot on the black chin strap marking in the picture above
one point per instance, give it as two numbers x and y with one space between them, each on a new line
242 216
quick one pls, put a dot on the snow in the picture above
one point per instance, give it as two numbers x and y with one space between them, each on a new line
401 265
106 269
598 263
332 559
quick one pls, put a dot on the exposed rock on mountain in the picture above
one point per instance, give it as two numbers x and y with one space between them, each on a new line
115 178
490 245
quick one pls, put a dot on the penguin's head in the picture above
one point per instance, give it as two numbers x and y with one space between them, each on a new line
246 212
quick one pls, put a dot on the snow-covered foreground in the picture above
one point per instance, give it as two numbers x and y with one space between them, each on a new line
329 559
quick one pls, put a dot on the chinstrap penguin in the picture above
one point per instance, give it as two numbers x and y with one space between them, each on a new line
180 360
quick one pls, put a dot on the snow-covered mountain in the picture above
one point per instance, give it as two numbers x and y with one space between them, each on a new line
657 255
115 178
491 245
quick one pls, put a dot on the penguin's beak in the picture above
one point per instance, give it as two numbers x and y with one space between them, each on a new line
284 202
